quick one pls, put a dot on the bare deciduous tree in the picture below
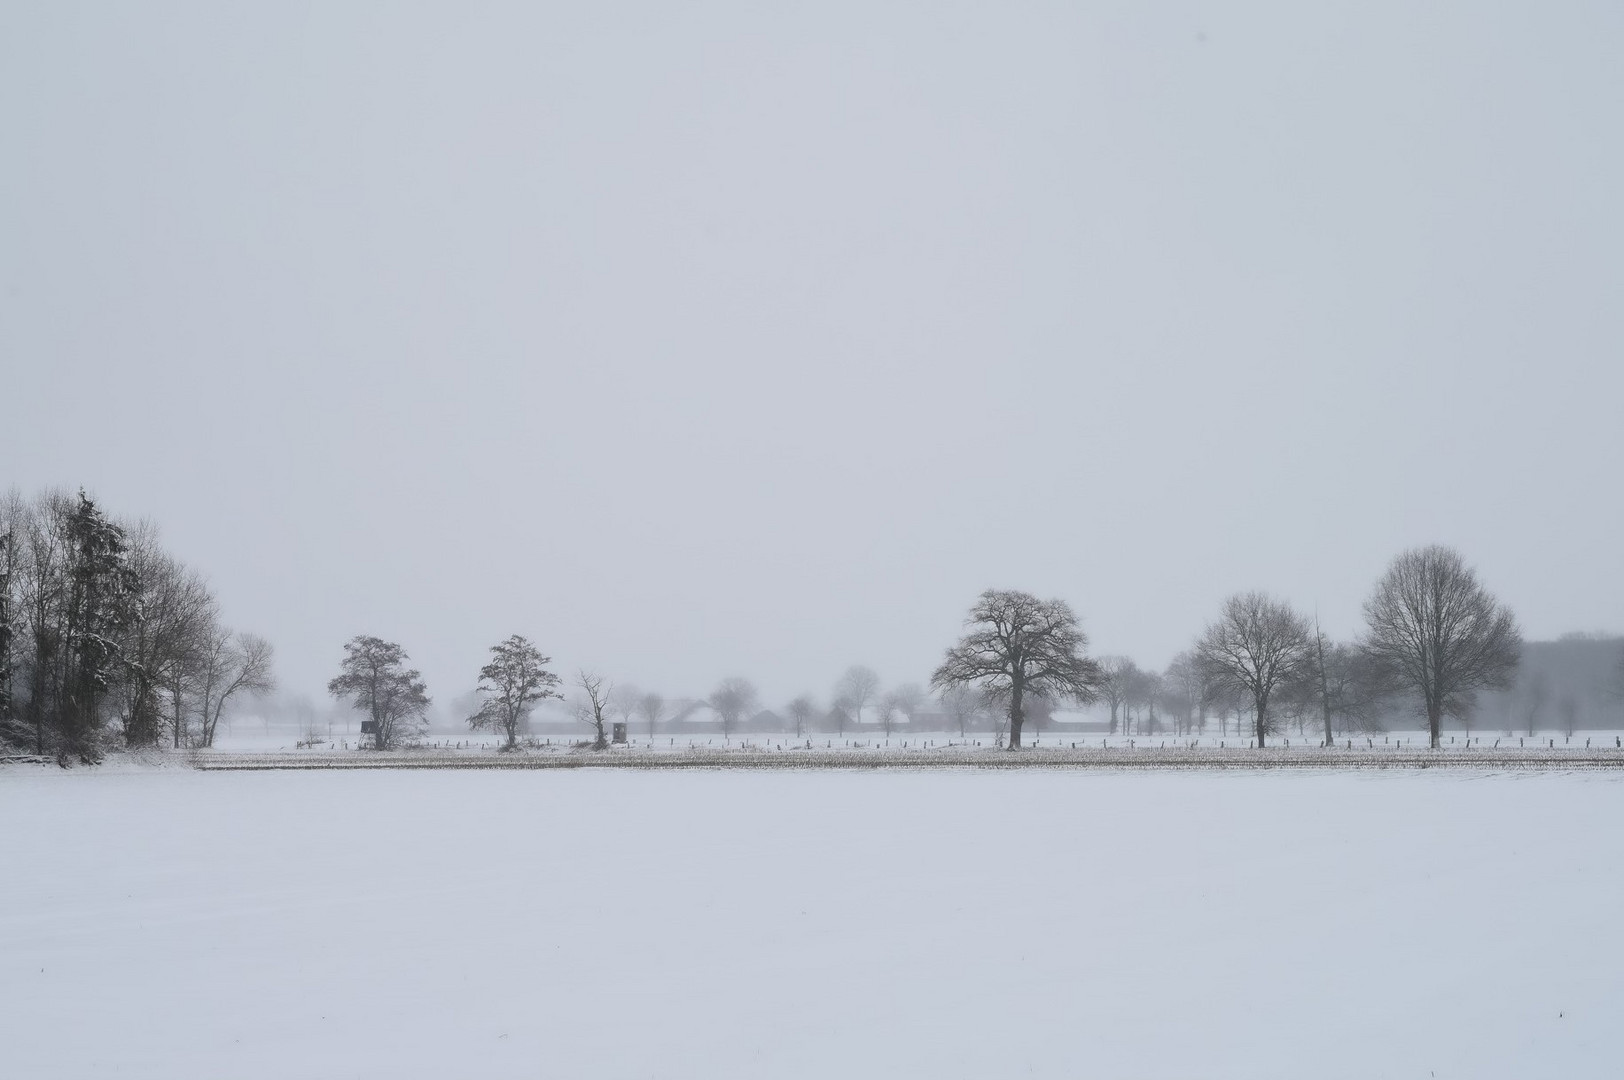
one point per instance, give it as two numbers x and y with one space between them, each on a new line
801 711
1118 673
1567 707
907 700
40 539
152 639
1039 710
1144 689
962 705
995 704
1190 688
1297 702
593 708
182 647
885 709
232 664
1438 633
1350 687
733 700
1256 645
375 680
1533 695
903 701
1020 645
855 689
651 707
513 682
623 703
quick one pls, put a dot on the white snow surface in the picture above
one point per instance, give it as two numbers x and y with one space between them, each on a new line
170 923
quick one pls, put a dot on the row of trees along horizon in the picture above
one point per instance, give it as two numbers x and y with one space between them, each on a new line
106 639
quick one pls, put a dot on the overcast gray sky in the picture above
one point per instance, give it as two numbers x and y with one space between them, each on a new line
695 340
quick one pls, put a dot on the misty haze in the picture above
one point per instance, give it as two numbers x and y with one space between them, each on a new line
828 540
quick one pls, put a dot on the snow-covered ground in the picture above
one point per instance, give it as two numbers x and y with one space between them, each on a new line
172 923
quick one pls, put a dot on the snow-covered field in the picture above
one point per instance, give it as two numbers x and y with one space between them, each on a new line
616 923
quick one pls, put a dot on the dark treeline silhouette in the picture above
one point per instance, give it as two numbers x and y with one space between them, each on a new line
106 639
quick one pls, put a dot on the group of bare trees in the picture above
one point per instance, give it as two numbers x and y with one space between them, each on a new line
104 635
375 680
1435 640
1576 680
1338 691
857 698
735 706
860 689
1434 636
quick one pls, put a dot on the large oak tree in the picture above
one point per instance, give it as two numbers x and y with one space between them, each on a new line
1018 645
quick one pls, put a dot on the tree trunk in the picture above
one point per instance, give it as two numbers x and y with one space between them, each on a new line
1015 715
1262 721
1434 723
36 703
212 724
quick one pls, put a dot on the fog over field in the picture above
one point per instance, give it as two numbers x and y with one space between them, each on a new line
709 341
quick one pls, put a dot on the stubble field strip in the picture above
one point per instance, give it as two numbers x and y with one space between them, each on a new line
943 758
